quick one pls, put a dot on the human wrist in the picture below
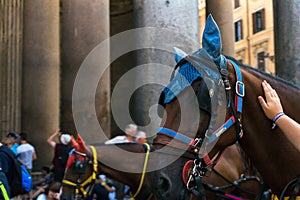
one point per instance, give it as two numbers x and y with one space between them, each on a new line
276 118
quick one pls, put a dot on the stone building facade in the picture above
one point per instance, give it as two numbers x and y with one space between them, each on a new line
253 32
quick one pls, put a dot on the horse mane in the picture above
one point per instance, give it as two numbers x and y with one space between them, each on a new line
263 73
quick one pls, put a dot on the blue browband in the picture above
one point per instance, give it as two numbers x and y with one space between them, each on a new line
175 135
239 94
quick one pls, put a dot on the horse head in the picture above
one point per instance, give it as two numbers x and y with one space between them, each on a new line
243 122
196 103
81 171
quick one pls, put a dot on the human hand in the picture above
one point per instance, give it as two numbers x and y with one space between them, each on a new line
58 132
272 106
102 182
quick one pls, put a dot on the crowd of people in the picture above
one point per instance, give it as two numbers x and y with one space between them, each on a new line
49 184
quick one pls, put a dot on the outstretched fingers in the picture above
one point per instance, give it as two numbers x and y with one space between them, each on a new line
272 104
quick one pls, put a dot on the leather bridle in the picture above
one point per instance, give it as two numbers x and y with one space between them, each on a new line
84 187
202 163
233 120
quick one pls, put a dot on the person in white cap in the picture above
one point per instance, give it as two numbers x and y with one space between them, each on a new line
141 137
61 153
130 131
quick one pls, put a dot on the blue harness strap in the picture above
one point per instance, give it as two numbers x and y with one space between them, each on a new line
239 87
175 135
239 94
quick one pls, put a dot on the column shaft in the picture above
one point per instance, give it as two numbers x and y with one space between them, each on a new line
11 27
182 20
222 11
84 25
40 85
287 39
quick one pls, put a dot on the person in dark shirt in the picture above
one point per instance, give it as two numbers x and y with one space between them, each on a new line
6 169
61 153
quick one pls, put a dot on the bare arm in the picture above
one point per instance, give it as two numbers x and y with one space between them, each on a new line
50 140
34 157
291 129
272 107
107 187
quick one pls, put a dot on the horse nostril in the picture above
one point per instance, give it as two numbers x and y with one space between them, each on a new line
164 183
164 186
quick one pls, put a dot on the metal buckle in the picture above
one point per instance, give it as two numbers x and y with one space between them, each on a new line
197 141
240 88
227 85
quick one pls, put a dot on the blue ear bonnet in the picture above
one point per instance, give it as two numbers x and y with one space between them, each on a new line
185 76
212 42
205 58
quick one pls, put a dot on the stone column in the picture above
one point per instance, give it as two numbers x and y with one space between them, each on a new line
287 39
175 25
121 19
11 28
222 12
40 85
84 25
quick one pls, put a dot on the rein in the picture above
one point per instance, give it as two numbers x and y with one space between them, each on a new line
81 187
236 183
143 172
295 183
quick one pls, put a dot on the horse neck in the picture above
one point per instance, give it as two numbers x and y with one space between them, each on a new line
113 158
272 154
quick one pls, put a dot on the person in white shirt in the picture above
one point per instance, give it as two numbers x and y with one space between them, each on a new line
26 152
130 131
141 137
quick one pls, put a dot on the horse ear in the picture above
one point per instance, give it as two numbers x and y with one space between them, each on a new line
211 40
179 54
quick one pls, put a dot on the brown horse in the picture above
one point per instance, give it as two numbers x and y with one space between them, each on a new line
84 164
174 155
229 175
274 156
166 183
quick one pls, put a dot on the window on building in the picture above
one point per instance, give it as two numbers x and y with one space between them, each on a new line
258 21
238 28
261 61
236 3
